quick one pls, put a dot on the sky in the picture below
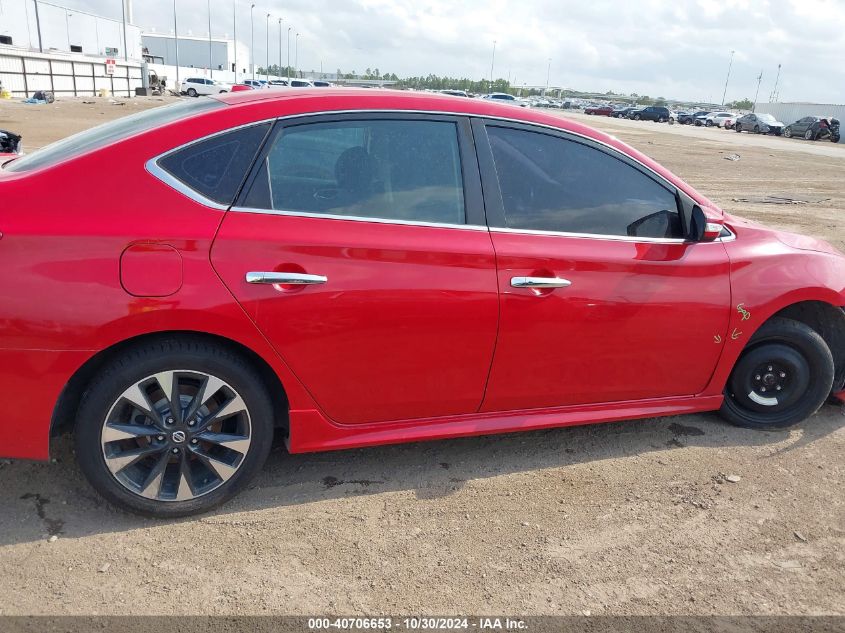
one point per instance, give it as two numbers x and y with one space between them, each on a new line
679 49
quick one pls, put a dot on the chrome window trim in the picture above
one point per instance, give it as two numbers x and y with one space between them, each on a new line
153 168
614 238
359 218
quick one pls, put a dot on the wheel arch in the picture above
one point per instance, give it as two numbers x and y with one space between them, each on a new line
66 407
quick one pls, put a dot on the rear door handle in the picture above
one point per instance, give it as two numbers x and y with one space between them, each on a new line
297 279
540 282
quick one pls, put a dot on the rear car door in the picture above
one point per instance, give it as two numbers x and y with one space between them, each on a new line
359 248
602 299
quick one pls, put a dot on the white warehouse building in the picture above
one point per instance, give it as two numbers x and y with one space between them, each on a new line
196 52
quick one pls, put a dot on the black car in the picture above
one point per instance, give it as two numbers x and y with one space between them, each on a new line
810 127
661 114
688 118
621 113
759 124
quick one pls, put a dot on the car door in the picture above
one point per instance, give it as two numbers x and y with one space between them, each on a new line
601 298
359 248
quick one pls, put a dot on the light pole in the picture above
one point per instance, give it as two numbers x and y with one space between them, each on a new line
210 64
296 56
727 79
757 94
67 26
492 62
280 49
176 46
125 44
267 52
287 70
548 73
235 23
251 38
38 28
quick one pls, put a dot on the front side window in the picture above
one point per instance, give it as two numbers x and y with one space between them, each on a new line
215 167
550 183
389 169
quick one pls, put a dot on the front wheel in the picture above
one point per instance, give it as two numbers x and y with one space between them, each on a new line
787 132
637 117
708 124
174 428
756 129
808 135
192 92
782 377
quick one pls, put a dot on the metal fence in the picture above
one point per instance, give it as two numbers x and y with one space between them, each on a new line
23 73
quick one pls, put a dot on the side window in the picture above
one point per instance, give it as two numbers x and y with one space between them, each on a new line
553 184
392 169
216 167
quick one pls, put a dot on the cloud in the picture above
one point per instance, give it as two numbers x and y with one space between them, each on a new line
676 49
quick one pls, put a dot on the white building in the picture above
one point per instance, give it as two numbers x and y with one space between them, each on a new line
196 52
36 25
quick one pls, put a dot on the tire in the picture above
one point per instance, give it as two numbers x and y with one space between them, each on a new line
708 124
637 117
756 129
787 132
808 135
798 383
177 474
737 127
192 93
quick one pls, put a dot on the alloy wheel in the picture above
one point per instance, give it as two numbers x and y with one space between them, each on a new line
176 435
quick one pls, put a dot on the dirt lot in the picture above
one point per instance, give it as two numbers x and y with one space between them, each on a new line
628 518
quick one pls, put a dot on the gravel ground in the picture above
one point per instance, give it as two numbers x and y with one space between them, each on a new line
683 515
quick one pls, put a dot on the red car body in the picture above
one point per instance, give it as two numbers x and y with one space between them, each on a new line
599 110
418 334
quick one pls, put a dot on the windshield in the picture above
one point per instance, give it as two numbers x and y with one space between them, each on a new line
117 130
765 117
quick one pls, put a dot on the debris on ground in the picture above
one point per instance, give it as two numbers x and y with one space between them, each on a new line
779 200
800 536
732 157
734 479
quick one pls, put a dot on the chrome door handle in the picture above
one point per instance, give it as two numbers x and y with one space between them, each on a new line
539 282
299 279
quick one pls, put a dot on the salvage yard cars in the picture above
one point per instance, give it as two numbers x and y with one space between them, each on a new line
344 269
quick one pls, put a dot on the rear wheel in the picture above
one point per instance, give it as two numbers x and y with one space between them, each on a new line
637 117
787 132
737 127
783 376
174 428
708 123
756 129
192 92
809 135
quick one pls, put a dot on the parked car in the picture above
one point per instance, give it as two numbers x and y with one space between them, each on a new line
690 118
599 110
759 124
241 87
810 127
320 83
661 114
197 86
728 123
254 83
622 113
718 119
412 275
455 93
503 97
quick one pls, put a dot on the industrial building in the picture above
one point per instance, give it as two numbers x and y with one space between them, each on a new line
195 52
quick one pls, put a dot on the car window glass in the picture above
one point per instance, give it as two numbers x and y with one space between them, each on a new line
553 184
216 167
111 132
394 169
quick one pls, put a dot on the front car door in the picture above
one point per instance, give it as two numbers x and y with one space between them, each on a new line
602 299
359 248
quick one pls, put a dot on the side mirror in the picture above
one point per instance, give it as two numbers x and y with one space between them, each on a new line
705 228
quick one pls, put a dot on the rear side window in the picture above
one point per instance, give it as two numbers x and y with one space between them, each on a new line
550 183
215 167
389 169
111 132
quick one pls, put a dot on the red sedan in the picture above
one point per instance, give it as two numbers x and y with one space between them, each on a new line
350 269
602 110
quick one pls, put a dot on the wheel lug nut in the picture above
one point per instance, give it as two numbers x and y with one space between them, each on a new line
770 368
192 422
778 387
175 451
762 388
169 421
195 441
160 438
757 377
782 374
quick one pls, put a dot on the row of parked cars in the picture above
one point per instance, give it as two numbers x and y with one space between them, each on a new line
811 128
198 86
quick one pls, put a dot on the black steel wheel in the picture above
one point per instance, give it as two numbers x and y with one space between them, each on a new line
783 376
174 428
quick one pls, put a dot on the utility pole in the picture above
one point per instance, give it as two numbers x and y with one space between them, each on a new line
296 56
287 70
176 47
774 94
492 62
38 27
235 22
756 94
252 39
728 77
210 61
548 73
267 52
280 49
125 45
